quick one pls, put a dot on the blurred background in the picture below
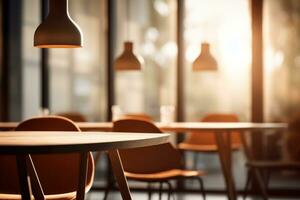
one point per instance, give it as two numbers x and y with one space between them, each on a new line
82 80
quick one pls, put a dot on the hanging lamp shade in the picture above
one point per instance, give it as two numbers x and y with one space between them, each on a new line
205 61
127 60
58 30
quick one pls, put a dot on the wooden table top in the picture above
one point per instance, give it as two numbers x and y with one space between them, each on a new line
175 126
219 126
8 125
191 126
32 142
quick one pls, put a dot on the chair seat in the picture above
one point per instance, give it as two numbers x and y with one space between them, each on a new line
274 164
165 175
64 196
204 147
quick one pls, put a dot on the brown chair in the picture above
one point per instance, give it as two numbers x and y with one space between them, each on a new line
159 163
205 141
78 117
58 173
260 170
74 116
141 116
138 116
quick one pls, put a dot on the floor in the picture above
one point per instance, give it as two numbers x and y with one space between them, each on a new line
213 180
117 196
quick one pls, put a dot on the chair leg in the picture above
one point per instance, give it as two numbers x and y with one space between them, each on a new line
248 183
170 190
149 191
109 179
106 194
195 161
260 183
160 189
110 184
267 176
202 187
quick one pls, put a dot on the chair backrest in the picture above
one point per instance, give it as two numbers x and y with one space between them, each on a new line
141 116
74 116
208 138
147 159
58 173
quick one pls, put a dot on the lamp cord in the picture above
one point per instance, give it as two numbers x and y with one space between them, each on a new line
127 19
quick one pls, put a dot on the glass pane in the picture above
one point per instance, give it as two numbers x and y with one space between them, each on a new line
151 25
30 59
78 75
282 82
225 25
282 58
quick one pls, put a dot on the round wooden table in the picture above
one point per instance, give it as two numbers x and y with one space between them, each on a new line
22 144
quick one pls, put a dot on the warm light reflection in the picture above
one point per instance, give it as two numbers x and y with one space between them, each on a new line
225 25
281 59
166 54
273 59
228 34
192 52
234 40
153 30
162 7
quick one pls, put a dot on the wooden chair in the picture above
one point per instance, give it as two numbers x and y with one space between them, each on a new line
205 141
260 170
138 116
160 163
78 117
141 116
58 173
74 116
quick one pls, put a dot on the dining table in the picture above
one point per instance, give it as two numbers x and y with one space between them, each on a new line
222 132
24 144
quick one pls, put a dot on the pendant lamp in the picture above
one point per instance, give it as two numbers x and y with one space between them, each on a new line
205 61
58 30
127 60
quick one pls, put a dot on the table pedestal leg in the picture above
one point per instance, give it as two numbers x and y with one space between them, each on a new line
117 167
224 155
23 176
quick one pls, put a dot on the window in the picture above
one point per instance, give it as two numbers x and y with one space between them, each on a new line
282 82
282 59
30 59
226 26
77 78
151 25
